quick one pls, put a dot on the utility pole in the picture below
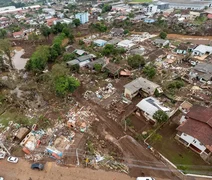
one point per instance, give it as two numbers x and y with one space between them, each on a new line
2 145
77 157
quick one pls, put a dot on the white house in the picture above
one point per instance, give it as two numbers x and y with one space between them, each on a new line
148 106
127 44
151 8
83 17
202 50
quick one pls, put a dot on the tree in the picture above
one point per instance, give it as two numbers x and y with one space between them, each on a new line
177 84
45 31
65 84
6 48
76 22
69 56
59 70
126 31
58 28
136 61
3 33
71 38
66 31
99 27
108 49
106 8
81 42
149 71
39 59
33 37
3 66
75 68
160 116
98 67
163 35
53 54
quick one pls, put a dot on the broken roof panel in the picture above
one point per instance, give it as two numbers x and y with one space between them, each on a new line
204 67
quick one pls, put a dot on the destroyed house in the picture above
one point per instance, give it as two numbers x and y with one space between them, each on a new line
112 69
117 32
21 133
161 42
202 72
100 61
139 85
196 131
159 54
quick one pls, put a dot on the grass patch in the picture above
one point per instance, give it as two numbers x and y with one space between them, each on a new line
16 118
200 20
184 158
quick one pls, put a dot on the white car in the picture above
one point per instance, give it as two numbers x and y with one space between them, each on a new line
12 159
145 178
1 178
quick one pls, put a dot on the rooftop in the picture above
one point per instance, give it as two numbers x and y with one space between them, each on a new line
199 125
142 83
150 105
203 49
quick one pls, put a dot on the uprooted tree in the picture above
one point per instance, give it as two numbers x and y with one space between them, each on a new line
6 48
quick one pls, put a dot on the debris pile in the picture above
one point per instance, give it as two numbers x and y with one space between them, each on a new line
101 93
107 162
79 118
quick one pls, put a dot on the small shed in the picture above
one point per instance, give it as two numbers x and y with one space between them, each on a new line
112 69
72 62
99 42
22 132
79 52
84 58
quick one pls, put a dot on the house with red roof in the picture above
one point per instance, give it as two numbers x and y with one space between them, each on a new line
18 34
195 131
50 21
209 16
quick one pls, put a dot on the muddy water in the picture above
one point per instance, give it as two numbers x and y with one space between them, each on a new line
18 62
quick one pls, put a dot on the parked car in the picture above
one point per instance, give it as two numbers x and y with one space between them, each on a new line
12 159
1 178
145 178
38 166
2 155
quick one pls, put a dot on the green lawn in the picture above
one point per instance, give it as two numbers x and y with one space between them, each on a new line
16 118
184 158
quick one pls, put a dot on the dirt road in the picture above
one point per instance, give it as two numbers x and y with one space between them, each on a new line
113 131
22 171
194 39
